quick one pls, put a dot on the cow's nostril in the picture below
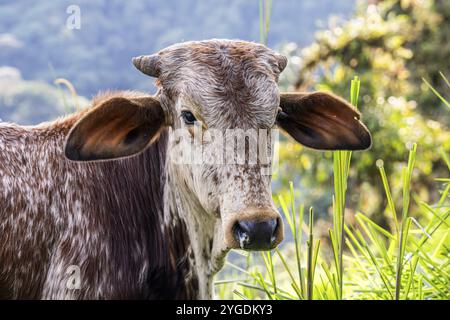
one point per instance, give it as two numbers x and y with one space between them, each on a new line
255 235
241 234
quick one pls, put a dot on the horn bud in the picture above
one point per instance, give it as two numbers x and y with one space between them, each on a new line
282 62
149 65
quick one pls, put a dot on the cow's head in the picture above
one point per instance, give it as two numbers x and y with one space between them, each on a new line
210 91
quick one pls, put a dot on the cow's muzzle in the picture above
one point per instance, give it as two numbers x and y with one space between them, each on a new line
255 230
256 235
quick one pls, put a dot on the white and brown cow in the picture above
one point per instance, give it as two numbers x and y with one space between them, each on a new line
101 190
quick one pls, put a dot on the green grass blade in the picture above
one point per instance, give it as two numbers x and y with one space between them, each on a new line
436 93
445 78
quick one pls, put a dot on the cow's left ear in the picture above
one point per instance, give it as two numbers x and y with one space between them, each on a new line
118 127
322 121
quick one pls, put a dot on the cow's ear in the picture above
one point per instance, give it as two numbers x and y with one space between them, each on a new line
322 121
118 127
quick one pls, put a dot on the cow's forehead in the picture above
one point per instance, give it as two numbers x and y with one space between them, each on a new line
220 60
209 50
224 79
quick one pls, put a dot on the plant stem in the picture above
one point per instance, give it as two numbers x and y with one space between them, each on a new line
407 173
265 11
310 256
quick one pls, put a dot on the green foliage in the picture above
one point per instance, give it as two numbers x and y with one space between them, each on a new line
392 45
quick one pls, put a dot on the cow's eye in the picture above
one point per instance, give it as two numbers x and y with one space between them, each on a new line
188 117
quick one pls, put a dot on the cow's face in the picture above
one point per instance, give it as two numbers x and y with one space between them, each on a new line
221 102
222 95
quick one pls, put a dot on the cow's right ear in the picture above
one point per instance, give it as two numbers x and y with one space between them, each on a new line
117 128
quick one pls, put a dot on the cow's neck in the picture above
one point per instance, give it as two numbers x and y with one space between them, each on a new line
202 233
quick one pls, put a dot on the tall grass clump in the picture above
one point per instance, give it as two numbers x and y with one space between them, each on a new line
341 167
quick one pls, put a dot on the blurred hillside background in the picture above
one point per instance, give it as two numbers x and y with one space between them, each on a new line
35 40
391 45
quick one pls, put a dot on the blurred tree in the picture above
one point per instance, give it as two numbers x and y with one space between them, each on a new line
390 46
407 40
